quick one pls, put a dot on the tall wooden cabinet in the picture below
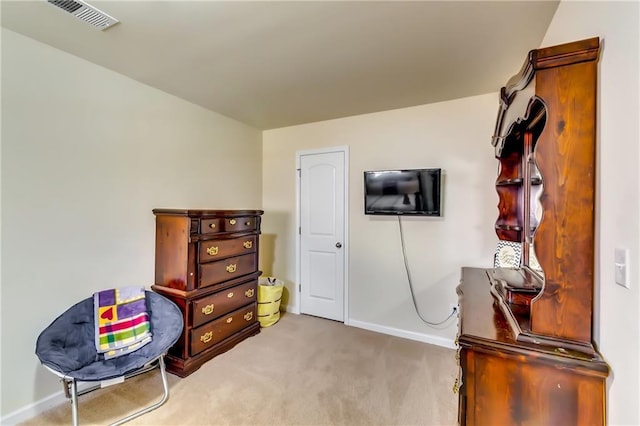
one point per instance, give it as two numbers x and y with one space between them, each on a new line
526 348
207 263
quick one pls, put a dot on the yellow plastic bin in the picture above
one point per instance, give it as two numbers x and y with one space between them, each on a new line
269 297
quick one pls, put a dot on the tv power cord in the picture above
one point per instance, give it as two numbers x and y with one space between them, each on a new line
454 310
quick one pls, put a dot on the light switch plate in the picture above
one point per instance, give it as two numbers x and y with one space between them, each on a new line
622 267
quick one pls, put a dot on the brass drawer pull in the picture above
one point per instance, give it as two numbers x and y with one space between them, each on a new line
229 320
249 293
248 316
212 251
457 384
231 268
206 337
247 244
208 310
212 226
247 223
230 295
232 222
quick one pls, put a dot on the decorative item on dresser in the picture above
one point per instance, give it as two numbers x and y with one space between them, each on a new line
526 348
207 263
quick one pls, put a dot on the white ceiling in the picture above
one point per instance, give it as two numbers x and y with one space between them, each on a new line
274 64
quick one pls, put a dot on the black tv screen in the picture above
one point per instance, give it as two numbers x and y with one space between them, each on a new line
402 192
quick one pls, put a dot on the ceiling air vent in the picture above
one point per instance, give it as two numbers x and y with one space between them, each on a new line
89 14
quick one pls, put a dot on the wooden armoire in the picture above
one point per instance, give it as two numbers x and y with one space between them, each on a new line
525 344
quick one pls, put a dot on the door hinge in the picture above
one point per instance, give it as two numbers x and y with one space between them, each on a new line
299 172
299 230
300 288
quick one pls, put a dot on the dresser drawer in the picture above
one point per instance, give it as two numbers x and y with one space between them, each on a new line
211 226
209 251
238 224
213 306
223 270
218 330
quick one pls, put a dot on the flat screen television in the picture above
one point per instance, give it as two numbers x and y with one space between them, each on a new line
402 192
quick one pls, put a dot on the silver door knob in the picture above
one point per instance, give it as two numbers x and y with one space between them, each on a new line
338 245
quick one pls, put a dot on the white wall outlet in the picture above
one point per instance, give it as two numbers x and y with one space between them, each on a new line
454 307
622 267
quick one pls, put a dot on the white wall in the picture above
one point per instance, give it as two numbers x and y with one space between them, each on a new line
454 136
86 155
618 323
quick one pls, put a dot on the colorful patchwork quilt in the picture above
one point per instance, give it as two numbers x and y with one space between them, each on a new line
122 321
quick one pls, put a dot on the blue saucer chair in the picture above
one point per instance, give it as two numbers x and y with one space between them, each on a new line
67 348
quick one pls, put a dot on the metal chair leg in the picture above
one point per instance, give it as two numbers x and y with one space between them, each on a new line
71 391
74 402
165 396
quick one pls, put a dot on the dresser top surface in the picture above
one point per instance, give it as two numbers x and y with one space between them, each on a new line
480 317
483 323
207 212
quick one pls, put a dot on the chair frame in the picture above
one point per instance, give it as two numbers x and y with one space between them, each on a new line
71 391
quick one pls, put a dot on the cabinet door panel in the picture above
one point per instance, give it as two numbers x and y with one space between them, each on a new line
526 390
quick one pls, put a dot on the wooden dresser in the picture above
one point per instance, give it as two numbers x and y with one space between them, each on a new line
207 263
526 350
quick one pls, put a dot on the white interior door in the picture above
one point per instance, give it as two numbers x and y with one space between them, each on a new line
322 231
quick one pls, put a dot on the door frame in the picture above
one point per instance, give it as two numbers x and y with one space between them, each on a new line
299 154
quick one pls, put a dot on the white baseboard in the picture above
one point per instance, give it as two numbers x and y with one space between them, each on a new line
412 335
39 407
34 409
290 309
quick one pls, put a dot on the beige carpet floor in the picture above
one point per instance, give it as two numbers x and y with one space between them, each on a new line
301 371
